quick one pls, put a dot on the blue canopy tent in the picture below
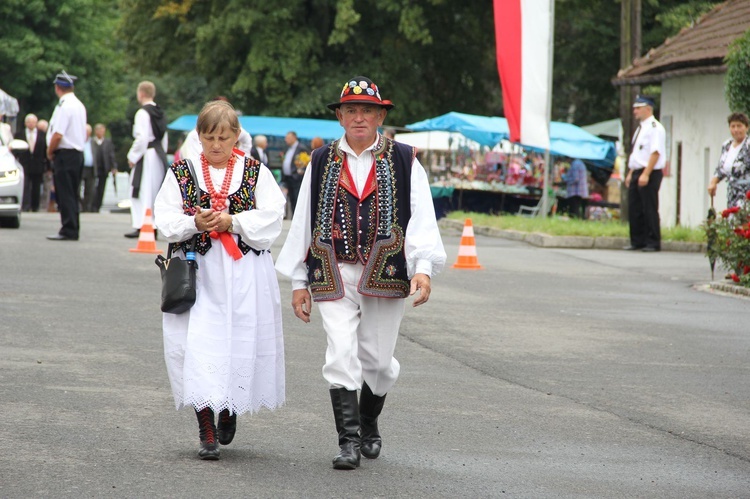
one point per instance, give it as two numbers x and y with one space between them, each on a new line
306 128
566 139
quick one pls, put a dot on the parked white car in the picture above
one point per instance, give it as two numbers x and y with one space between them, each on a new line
11 186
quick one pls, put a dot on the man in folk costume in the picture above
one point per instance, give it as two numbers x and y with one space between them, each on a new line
363 237
147 156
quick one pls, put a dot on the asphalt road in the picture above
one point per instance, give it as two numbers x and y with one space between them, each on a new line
548 373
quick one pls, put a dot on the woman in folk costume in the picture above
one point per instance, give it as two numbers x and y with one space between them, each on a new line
225 354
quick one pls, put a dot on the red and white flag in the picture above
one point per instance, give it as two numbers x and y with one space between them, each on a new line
523 32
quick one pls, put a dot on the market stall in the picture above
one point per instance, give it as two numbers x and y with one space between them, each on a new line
503 179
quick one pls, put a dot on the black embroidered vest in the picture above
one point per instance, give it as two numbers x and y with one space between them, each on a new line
350 228
242 199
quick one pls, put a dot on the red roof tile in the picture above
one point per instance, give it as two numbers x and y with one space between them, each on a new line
699 49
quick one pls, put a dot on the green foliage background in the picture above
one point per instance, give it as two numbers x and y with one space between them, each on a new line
290 57
737 82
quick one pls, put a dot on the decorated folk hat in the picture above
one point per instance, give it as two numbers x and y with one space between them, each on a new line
644 100
361 90
63 79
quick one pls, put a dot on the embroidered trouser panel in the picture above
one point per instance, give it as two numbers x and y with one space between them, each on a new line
362 333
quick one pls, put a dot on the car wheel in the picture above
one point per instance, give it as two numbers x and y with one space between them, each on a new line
12 223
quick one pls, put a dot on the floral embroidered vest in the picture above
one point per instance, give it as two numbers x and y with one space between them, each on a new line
367 228
242 199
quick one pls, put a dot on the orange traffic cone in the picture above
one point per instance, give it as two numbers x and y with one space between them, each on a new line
147 237
467 251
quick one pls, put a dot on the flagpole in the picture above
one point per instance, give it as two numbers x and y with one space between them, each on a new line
550 65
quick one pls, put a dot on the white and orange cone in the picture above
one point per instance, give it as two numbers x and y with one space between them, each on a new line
147 237
467 251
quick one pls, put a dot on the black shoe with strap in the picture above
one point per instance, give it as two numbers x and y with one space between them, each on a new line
227 427
209 445
346 416
370 406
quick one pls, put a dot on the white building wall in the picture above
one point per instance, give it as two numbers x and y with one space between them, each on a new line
698 113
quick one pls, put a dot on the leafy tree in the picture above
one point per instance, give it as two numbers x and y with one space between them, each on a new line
42 37
290 58
737 81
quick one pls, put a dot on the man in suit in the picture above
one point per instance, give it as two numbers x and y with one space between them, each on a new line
289 174
34 162
103 151
260 146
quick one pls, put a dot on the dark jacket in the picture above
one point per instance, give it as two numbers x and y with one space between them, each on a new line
34 162
104 156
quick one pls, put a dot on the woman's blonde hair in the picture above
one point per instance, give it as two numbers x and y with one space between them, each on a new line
216 115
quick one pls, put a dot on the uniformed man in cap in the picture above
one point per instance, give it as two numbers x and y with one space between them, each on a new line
66 137
363 238
645 166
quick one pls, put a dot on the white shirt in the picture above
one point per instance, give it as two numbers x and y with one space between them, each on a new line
69 120
143 135
31 138
730 157
650 138
289 167
423 246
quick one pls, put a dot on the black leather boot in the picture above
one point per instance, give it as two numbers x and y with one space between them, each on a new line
227 427
209 446
346 415
370 406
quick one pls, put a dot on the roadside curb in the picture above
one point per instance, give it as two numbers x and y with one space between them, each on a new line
581 242
727 287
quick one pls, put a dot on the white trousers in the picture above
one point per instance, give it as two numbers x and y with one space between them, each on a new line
362 333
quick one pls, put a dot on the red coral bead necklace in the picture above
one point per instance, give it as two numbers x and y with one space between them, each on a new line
218 199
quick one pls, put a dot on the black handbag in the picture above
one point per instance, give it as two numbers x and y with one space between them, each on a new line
178 275
177 280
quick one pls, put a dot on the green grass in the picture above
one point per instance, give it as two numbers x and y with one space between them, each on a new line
560 226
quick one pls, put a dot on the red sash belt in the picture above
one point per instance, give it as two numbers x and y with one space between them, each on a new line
227 240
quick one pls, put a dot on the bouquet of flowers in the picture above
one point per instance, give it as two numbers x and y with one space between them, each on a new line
301 161
729 241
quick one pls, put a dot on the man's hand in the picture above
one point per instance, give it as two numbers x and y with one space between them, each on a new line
421 283
643 179
302 304
628 178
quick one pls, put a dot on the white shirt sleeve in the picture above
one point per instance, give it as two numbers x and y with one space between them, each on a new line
423 246
291 260
261 226
244 142
173 224
142 135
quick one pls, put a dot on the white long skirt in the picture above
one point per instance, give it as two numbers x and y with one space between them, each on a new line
227 351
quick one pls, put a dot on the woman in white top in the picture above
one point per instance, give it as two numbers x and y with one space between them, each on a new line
734 162
225 354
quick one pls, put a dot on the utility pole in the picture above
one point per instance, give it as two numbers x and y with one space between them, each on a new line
630 48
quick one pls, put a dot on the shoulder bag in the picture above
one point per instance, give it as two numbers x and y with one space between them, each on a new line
178 275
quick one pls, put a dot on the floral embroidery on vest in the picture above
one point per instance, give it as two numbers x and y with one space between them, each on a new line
242 199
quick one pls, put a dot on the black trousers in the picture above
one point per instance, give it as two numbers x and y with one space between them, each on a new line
32 187
67 168
292 183
643 210
88 179
576 207
101 183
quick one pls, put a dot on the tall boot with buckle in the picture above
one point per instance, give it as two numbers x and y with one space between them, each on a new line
207 430
370 406
227 427
346 416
